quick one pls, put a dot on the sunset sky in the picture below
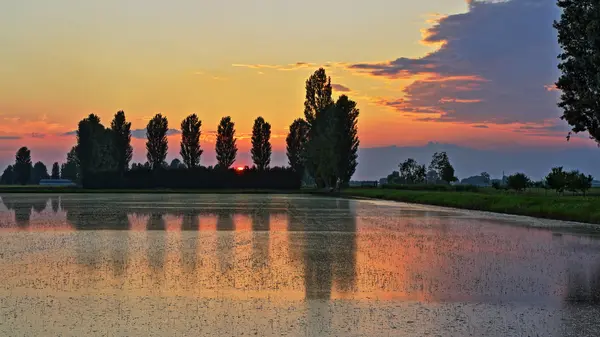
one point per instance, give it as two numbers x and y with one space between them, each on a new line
476 74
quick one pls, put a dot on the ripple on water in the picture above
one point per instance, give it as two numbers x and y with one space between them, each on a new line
275 264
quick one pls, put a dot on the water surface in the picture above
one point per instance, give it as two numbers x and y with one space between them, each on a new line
175 265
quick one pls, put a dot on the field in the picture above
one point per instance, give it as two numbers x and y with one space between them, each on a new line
532 203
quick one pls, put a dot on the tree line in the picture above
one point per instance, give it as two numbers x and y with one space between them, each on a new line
440 171
440 174
321 148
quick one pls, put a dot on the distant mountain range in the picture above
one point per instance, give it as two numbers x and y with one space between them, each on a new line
375 163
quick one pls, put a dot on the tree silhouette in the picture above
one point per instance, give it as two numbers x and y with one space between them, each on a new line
95 147
86 132
190 141
70 169
579 82
318 95
412 173
557 179
8 176
226 146
23 165
296 143
40 171
261 144
321 149
157 145
121 132
441 164
347 138
55 171
518 182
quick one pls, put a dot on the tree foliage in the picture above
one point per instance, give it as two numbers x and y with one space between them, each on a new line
55 171
226 146
578 182
440 163
573 181
318 95
157 144
321 149
121 132
557 179
8 176
190 141
330 155
347 143
261 143
579 83
95 146
22 167
296 144
40 171
486 177
70 169
518 182
411 172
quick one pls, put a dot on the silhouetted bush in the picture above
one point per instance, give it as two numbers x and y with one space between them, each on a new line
196 178
433 187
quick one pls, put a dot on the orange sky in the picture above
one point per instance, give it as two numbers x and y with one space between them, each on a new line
64 60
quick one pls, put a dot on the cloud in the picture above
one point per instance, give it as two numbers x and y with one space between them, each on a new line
10 137
486 71
340 88
37 135
69 133
480 126
285 67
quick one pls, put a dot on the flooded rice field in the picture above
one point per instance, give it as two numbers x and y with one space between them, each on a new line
209 265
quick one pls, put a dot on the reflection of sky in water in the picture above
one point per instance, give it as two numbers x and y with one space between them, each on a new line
287 248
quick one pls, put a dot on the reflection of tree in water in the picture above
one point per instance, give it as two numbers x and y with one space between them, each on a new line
326 237
344 249
119 247
225 240
156 243
582 303
56 204
39 204
22 208
189 251
260 237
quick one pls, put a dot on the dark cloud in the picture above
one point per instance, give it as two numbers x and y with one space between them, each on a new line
9 137
494 66
340 88
70 133
479 126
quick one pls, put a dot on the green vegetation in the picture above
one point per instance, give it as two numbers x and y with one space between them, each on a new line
571 208
579 82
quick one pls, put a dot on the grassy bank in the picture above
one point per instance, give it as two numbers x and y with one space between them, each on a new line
572 208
